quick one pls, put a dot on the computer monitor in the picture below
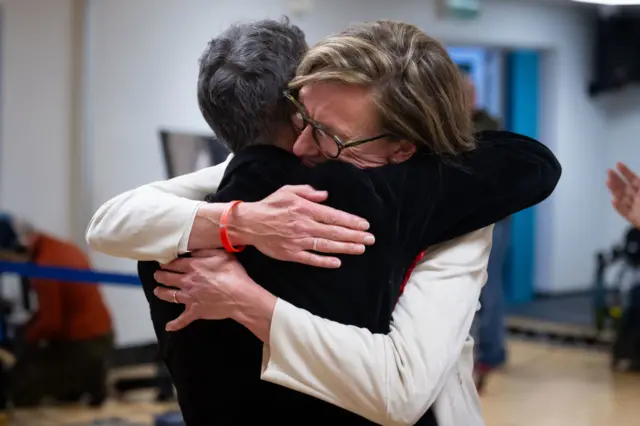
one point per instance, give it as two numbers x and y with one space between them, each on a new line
188 152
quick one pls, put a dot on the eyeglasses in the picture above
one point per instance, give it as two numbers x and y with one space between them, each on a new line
328 143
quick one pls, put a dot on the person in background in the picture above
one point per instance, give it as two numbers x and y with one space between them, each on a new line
490 327
69 340
624 186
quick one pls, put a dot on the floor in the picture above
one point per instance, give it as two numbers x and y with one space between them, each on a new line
546 385
543 385
572 310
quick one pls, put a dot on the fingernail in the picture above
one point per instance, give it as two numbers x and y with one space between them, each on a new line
335 263
369 239
364 225
361 248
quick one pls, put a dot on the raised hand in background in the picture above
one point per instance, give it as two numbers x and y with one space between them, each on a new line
624 186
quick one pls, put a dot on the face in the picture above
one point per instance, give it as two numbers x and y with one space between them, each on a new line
340 121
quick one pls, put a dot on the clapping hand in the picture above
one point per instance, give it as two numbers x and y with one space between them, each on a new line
624 186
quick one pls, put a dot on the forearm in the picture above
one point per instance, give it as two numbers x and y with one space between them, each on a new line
142 224
389 379
205 230
255 310
529 171
154 221
506 174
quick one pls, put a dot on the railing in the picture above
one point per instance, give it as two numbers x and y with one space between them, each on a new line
31 270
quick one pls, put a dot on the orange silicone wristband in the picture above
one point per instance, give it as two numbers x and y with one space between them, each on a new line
224 235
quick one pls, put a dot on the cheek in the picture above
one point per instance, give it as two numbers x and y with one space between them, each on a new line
375 149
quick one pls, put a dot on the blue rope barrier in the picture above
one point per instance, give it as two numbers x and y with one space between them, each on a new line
67 274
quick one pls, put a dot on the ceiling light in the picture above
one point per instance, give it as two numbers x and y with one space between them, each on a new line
611 2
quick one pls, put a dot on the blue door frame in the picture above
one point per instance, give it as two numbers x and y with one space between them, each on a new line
521 116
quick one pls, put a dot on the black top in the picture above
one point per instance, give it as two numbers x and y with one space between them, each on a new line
215 365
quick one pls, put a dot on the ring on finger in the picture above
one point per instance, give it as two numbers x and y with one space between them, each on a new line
315 244
175 294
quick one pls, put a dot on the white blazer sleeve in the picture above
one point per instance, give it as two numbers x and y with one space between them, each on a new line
153 222
389 379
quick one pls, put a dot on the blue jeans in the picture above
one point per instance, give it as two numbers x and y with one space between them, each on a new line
490 321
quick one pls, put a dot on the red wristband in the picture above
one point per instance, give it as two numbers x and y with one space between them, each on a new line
224 235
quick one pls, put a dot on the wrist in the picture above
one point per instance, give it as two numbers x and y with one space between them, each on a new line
254 309
239 227
205 229
205 232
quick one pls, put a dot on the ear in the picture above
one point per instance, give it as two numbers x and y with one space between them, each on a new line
401 151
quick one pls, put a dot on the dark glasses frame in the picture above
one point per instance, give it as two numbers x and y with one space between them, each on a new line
308 121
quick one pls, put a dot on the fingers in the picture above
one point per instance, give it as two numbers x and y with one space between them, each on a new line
335 217
341 235
307 192
178 265
186 318
629 176
316 260
331 216
322 245
620 208
167 295
616 184
170 279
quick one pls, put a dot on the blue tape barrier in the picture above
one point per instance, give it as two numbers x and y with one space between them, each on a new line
67 274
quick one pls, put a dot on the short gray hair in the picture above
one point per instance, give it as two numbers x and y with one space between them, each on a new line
243 73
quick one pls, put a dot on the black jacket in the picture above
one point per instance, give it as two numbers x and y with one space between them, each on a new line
215 365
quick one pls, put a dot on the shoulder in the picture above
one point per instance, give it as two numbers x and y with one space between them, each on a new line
345 180
340 172
421 170
261 157
264 161
482 120
468 252
256 172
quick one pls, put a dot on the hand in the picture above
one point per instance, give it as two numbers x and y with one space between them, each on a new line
290 224
213 285
624 186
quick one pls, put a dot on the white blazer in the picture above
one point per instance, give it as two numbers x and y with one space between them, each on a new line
393 379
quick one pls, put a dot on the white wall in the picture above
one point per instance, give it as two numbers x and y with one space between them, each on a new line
143 67
37 107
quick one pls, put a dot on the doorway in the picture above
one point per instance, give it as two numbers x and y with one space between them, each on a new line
507 86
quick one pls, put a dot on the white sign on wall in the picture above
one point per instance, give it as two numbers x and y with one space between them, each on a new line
300 7
465 9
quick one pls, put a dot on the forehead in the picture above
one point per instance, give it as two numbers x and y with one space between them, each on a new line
347 109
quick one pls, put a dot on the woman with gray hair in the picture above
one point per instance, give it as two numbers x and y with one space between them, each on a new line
385 98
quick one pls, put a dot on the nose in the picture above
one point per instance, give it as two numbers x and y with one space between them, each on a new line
305 146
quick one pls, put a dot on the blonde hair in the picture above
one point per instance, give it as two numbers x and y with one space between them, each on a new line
417 88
